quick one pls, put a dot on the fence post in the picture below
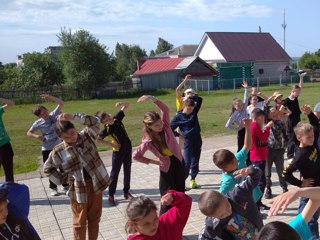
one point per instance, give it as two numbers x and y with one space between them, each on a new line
280 80
234 85
269 81
258 82
291 79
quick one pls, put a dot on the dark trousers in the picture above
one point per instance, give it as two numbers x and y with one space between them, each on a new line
192 152
45 155
275 156
119 158
313 224
292 140
262 182
174 179
240 138
6 160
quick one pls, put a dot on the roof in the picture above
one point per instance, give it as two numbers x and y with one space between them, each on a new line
155 65
185 50
248 46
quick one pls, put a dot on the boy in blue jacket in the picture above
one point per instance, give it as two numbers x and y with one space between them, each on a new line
235 215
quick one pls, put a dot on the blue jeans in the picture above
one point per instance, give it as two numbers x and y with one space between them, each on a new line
313 224
192 152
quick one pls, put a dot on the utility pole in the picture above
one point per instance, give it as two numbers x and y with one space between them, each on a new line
284 25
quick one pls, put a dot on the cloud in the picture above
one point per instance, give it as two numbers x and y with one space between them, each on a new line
82 12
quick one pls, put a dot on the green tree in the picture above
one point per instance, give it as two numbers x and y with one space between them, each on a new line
310 60
152 53
126 59
86 63
163 46
2 75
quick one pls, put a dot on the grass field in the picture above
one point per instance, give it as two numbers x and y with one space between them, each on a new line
213 115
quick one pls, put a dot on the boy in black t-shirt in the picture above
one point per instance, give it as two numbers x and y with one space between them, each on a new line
307 161
292 103
122 150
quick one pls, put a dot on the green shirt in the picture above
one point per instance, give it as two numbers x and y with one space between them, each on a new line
4 138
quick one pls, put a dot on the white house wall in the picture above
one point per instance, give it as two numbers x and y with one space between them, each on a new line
271 70
210 52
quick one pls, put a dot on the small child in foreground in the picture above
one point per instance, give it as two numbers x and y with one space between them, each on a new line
144 223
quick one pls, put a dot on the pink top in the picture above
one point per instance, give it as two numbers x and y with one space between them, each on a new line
171 223
171 141
259 150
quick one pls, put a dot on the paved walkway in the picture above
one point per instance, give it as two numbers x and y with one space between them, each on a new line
51 216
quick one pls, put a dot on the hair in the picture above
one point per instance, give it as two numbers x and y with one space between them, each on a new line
102 115
234 101
277 231
223 158
63 126
137 209
209 202
252 95
302 128
294 87
257 112
189 102
37 110
158 138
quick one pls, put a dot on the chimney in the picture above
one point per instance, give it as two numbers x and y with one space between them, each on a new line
259 29
140 62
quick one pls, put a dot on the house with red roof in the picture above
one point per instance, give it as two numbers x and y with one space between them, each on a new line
239 55
157 73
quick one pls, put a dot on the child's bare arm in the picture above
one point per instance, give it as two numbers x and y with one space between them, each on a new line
187 77
247 136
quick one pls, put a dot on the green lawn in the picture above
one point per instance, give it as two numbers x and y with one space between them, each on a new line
213 115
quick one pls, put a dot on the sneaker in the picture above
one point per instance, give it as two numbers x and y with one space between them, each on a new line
268 194
193 184
54 192
111 201
261 206
64 189
127 196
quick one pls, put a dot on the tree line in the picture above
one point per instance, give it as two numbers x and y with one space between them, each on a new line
82 62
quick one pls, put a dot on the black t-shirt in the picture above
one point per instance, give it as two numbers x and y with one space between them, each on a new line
293 106
307 161
117 130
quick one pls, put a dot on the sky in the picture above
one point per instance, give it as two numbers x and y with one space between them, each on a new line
31 26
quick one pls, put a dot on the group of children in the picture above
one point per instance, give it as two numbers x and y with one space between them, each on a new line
71 159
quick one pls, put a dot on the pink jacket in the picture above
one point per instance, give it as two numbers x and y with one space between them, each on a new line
171 141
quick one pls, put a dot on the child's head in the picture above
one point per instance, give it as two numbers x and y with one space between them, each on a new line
189 92
277 231
237 104
66 131
295 91
105 118
304 133
317 110
258 116
142 216
273 114
3 204
225 160
188 106
277 97
214 204
41 112
253 99
153 122
254 91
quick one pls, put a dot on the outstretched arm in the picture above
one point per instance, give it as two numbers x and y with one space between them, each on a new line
301 79
122 105
6 103
54 99
187 77
247 136
281 202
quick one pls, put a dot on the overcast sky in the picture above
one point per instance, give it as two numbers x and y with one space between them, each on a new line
32 25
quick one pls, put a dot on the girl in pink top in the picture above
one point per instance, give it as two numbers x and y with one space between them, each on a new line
159 139
145 224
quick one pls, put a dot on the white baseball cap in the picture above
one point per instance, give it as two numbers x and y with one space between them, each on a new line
190 90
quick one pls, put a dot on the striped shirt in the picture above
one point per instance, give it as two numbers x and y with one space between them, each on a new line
235 120
73 160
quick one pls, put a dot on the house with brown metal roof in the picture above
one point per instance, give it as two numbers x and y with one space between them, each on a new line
157 73
185 50
238 55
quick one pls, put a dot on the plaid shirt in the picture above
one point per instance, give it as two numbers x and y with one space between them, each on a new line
73 159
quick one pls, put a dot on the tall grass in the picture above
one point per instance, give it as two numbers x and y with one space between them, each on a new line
213 115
